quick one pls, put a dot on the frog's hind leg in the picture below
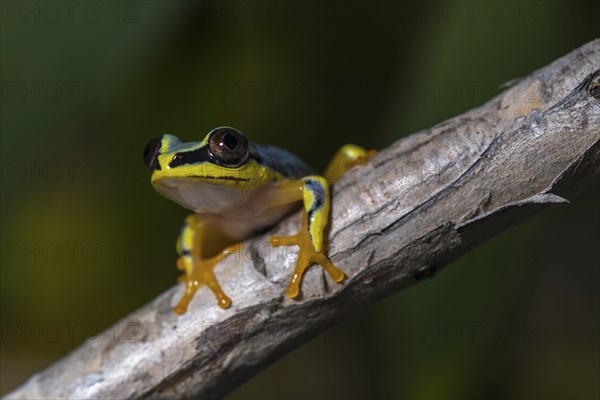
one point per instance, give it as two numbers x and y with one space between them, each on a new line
197 260
346 157
315 196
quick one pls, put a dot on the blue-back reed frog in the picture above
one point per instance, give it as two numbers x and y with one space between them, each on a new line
236 188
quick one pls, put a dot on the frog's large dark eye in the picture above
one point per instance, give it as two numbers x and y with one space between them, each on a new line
151 154
228 147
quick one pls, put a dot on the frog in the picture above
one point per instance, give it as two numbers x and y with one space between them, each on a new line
236 189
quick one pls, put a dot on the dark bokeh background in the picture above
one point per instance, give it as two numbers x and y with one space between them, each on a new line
85 239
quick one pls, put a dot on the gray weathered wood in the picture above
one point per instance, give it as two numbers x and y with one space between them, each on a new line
412 209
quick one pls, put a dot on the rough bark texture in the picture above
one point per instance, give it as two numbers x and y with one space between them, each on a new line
415 207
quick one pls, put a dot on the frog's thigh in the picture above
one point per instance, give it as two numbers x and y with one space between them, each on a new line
184 245
196 239
201 246
346 157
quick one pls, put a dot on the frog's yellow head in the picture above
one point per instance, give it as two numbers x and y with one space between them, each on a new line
190 173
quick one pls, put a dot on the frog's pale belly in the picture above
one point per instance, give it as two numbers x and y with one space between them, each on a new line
202 197
243 224
237 212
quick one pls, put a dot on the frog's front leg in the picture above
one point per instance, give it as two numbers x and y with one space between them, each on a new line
200 247
314 192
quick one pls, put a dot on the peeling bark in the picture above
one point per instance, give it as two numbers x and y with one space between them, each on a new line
419 204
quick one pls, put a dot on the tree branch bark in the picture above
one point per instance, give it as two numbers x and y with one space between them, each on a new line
419 204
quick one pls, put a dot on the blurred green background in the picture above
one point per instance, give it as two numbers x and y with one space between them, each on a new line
85 239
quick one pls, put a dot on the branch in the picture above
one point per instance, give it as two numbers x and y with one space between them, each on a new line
415 207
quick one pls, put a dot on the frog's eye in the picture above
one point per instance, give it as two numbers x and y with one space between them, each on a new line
151 154
228 147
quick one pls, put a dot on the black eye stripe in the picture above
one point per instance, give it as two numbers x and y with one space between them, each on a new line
191 157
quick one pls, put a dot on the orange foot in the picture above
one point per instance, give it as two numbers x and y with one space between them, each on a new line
307 256
201 273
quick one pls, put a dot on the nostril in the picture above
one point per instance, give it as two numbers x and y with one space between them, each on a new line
151 154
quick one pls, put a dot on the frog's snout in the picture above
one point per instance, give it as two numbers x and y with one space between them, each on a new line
151 154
